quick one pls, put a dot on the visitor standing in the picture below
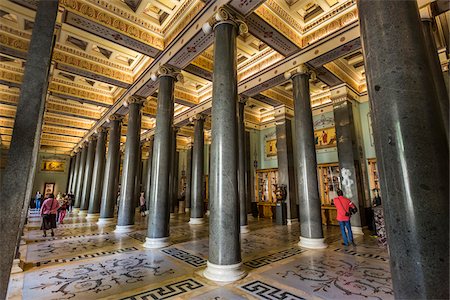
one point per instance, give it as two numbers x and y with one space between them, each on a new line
143 207
63 210
38 200
343 207
48 214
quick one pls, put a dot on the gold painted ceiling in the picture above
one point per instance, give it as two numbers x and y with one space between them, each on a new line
106 51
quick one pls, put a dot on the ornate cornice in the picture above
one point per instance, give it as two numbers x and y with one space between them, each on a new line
15 32
51 105
14 42
111 21
243 99
80 93
183 23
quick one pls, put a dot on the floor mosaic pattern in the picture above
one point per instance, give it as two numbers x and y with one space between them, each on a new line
84 261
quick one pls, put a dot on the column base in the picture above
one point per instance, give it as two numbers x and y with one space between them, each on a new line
82 213
75 210
224 273
105 221
196 221
124 228
312 243
291 222
357 230
16 266
92 216
245 229
187 209
156 243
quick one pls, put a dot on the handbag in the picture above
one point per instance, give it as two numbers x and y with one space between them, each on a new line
350 211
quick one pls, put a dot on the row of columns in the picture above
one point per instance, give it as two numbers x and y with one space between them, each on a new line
402 95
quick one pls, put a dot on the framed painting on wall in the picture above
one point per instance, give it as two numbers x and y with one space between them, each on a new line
271 148
52 165
325 137
49 188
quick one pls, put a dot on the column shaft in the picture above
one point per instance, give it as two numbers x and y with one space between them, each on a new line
87 179
148 178
248 173
71 171
158 226
175 182
224 238
286 176
130 166
241 167
188 180
80 179
138 182
411 146
22 157
310 217
98 174
110 181
172 169
75 173
198 158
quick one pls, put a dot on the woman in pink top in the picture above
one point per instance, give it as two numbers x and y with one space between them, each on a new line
343 216
49 210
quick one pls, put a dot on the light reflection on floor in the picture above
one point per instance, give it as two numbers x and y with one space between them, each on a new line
84 261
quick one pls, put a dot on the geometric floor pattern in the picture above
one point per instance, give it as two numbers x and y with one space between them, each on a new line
84 261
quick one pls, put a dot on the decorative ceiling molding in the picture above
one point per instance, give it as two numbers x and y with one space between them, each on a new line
245 7
60 130
80 95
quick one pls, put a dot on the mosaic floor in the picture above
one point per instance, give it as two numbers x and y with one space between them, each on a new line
85 262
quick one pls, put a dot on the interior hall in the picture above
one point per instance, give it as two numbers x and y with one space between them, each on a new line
224 149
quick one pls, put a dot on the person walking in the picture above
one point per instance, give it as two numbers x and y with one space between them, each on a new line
143 206
38 200
48 213
343 206
63 209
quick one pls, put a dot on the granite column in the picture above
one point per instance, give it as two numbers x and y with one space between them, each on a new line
158 222
310 215
76 167
127 209
71 173
411 146
138 178
97 175
198 158
188 193
110 180
241 165
285 157
148 178
80 178
224 261
87 179
22 157
172 171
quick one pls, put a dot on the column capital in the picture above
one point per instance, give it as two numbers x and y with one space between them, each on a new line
243 99
170 71
225 15
342 93
136 99
101 130
302 69
115 117
282 112
91 138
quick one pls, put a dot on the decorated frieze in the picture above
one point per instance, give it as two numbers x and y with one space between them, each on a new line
170 31
67 121
6 122
6 97
8 76
52 143
127 28
68 109
62 138
14 42
8 111
80 93
203 62
63 130
264 62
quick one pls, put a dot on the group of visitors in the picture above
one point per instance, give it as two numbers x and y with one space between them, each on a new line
53 209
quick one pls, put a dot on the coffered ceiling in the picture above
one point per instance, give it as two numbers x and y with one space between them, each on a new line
106 51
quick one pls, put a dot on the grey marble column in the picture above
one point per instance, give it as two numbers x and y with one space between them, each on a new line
110 180
285 157
20 169
411 146
71 172
249 174
348 152
97 175
436 70
241 165
175 183
80 178
127 205
138 178
172 170
76 167
188 193
310 217
148 178
158 222
198 158
224 261
88 172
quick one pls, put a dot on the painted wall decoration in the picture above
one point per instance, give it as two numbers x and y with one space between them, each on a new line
53 165
325 137
271 148
49 188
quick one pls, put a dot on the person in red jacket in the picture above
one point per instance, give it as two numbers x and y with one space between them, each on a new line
343 217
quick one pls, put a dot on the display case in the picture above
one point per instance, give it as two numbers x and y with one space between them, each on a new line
373 175
265 181
329 183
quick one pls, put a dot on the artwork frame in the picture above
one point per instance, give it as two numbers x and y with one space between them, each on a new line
325 137
270 148
49 188
53 165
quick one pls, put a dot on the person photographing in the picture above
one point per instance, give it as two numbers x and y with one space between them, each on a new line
345 208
